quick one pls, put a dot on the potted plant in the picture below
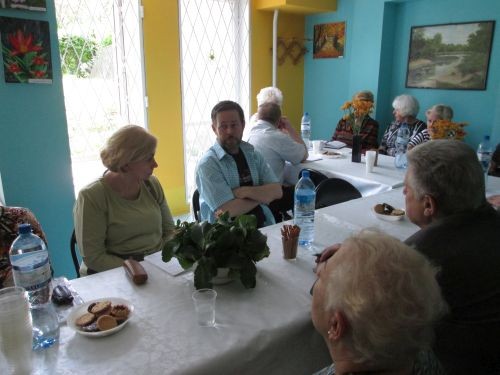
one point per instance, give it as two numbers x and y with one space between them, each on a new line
235 244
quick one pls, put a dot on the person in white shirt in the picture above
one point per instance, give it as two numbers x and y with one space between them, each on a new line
266 95
278 142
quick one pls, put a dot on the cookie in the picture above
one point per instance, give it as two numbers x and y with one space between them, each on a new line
85 320
90 328
105 322
120 312
100 308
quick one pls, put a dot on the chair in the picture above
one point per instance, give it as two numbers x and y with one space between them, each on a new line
195 202
315 176
74 256
334 190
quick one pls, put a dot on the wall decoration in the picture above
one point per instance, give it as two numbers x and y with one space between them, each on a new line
450 56
38 5
25 50
329 40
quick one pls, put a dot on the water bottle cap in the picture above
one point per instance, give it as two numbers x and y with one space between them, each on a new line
305 174
486 137
24 228
306 113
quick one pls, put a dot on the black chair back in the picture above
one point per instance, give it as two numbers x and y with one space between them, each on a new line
195 202
335 190
315 176
74 256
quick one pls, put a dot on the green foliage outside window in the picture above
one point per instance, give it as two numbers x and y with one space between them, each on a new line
78 53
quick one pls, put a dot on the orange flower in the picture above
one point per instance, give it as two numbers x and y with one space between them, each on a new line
445 129
356 111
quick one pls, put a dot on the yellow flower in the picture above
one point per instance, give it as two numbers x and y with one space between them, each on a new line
355 113
446 129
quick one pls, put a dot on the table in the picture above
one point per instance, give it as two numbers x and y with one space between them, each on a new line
385 175
264 330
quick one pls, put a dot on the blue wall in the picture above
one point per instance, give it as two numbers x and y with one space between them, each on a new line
34 150
377 41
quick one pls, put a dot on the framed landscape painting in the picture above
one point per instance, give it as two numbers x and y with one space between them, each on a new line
450 56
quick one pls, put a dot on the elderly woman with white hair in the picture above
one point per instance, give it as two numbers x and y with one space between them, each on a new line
266 95
375 303
433 114
406 108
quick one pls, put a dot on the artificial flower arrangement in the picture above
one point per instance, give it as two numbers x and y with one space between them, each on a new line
446 129
355 112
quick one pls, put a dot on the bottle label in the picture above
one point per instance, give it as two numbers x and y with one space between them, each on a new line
31 270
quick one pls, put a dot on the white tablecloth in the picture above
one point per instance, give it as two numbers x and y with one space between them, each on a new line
266 330
385 175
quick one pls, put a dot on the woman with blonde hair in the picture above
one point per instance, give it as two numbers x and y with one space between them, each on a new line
124 213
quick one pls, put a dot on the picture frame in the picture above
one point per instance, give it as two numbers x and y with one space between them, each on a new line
453 56
26 52
329 40
35 5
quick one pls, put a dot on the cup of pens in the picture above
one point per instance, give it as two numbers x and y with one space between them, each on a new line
290 240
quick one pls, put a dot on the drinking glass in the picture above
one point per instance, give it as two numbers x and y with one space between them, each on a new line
204 303
16 335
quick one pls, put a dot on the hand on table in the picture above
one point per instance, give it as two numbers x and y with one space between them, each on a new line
327 253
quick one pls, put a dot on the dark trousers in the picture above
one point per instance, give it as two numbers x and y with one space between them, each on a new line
279 207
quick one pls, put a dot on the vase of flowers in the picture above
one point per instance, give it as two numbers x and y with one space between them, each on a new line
356 113
446 129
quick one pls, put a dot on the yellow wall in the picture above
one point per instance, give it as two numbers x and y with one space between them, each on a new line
290 77
163 83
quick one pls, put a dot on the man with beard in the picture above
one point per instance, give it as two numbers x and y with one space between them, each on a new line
231 176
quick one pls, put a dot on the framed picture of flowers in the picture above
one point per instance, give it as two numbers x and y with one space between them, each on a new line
25 50
329 40
450 56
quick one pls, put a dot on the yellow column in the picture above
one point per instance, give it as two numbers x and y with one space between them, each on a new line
163 85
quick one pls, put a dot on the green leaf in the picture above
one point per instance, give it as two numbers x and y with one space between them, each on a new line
247 275
204 273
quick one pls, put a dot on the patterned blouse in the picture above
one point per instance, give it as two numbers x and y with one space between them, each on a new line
388 143
10 218
368 133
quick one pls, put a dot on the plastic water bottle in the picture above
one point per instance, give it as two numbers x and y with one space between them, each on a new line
31 270
400 160
305 129
305 200
484 154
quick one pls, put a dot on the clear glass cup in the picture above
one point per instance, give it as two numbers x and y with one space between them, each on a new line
204 303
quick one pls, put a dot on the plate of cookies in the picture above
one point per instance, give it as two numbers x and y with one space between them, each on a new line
331 154
100 317
385 211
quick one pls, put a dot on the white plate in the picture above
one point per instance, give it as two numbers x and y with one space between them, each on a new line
331 155
82 309
335 144
388 217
